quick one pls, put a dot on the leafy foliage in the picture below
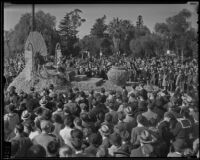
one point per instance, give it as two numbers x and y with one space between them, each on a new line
99 27
68 31
44 23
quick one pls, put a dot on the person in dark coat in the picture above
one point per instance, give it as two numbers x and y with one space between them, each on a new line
145 149
24 142
95 141
135 134
121 125
129 119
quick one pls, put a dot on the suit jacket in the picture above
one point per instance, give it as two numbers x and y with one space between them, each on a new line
120 126
135 134
24 145
131 123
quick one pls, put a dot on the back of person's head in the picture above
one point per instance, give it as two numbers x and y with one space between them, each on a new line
108 118
95 139
65 151
101 116
76 133
77 143
19 128
38 111
150 106
57 118
14 147
46 114
115 139
52 148
36 151
141 119
125 99
68 121
11 108
59 105
121 115
78 121
102 90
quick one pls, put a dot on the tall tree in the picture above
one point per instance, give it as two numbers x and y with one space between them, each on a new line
139 23
121 31
44 23
99 27
68 31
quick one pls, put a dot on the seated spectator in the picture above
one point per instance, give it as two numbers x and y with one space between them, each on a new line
36 151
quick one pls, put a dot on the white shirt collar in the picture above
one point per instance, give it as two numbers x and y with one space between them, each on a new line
140 125
77 152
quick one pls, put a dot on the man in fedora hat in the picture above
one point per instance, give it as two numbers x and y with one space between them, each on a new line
105 133
129 119
24 142
145 149
45 136
141 126
12 119
121 125
115 143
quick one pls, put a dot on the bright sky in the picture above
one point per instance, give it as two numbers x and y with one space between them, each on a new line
151 13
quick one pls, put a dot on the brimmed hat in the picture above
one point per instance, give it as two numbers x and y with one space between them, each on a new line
46 125
105 130
121 153
43 102
129 110
26 115
146 137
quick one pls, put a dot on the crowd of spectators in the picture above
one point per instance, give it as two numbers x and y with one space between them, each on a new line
12 68
138 123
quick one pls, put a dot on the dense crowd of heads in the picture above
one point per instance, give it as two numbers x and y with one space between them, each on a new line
138 123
